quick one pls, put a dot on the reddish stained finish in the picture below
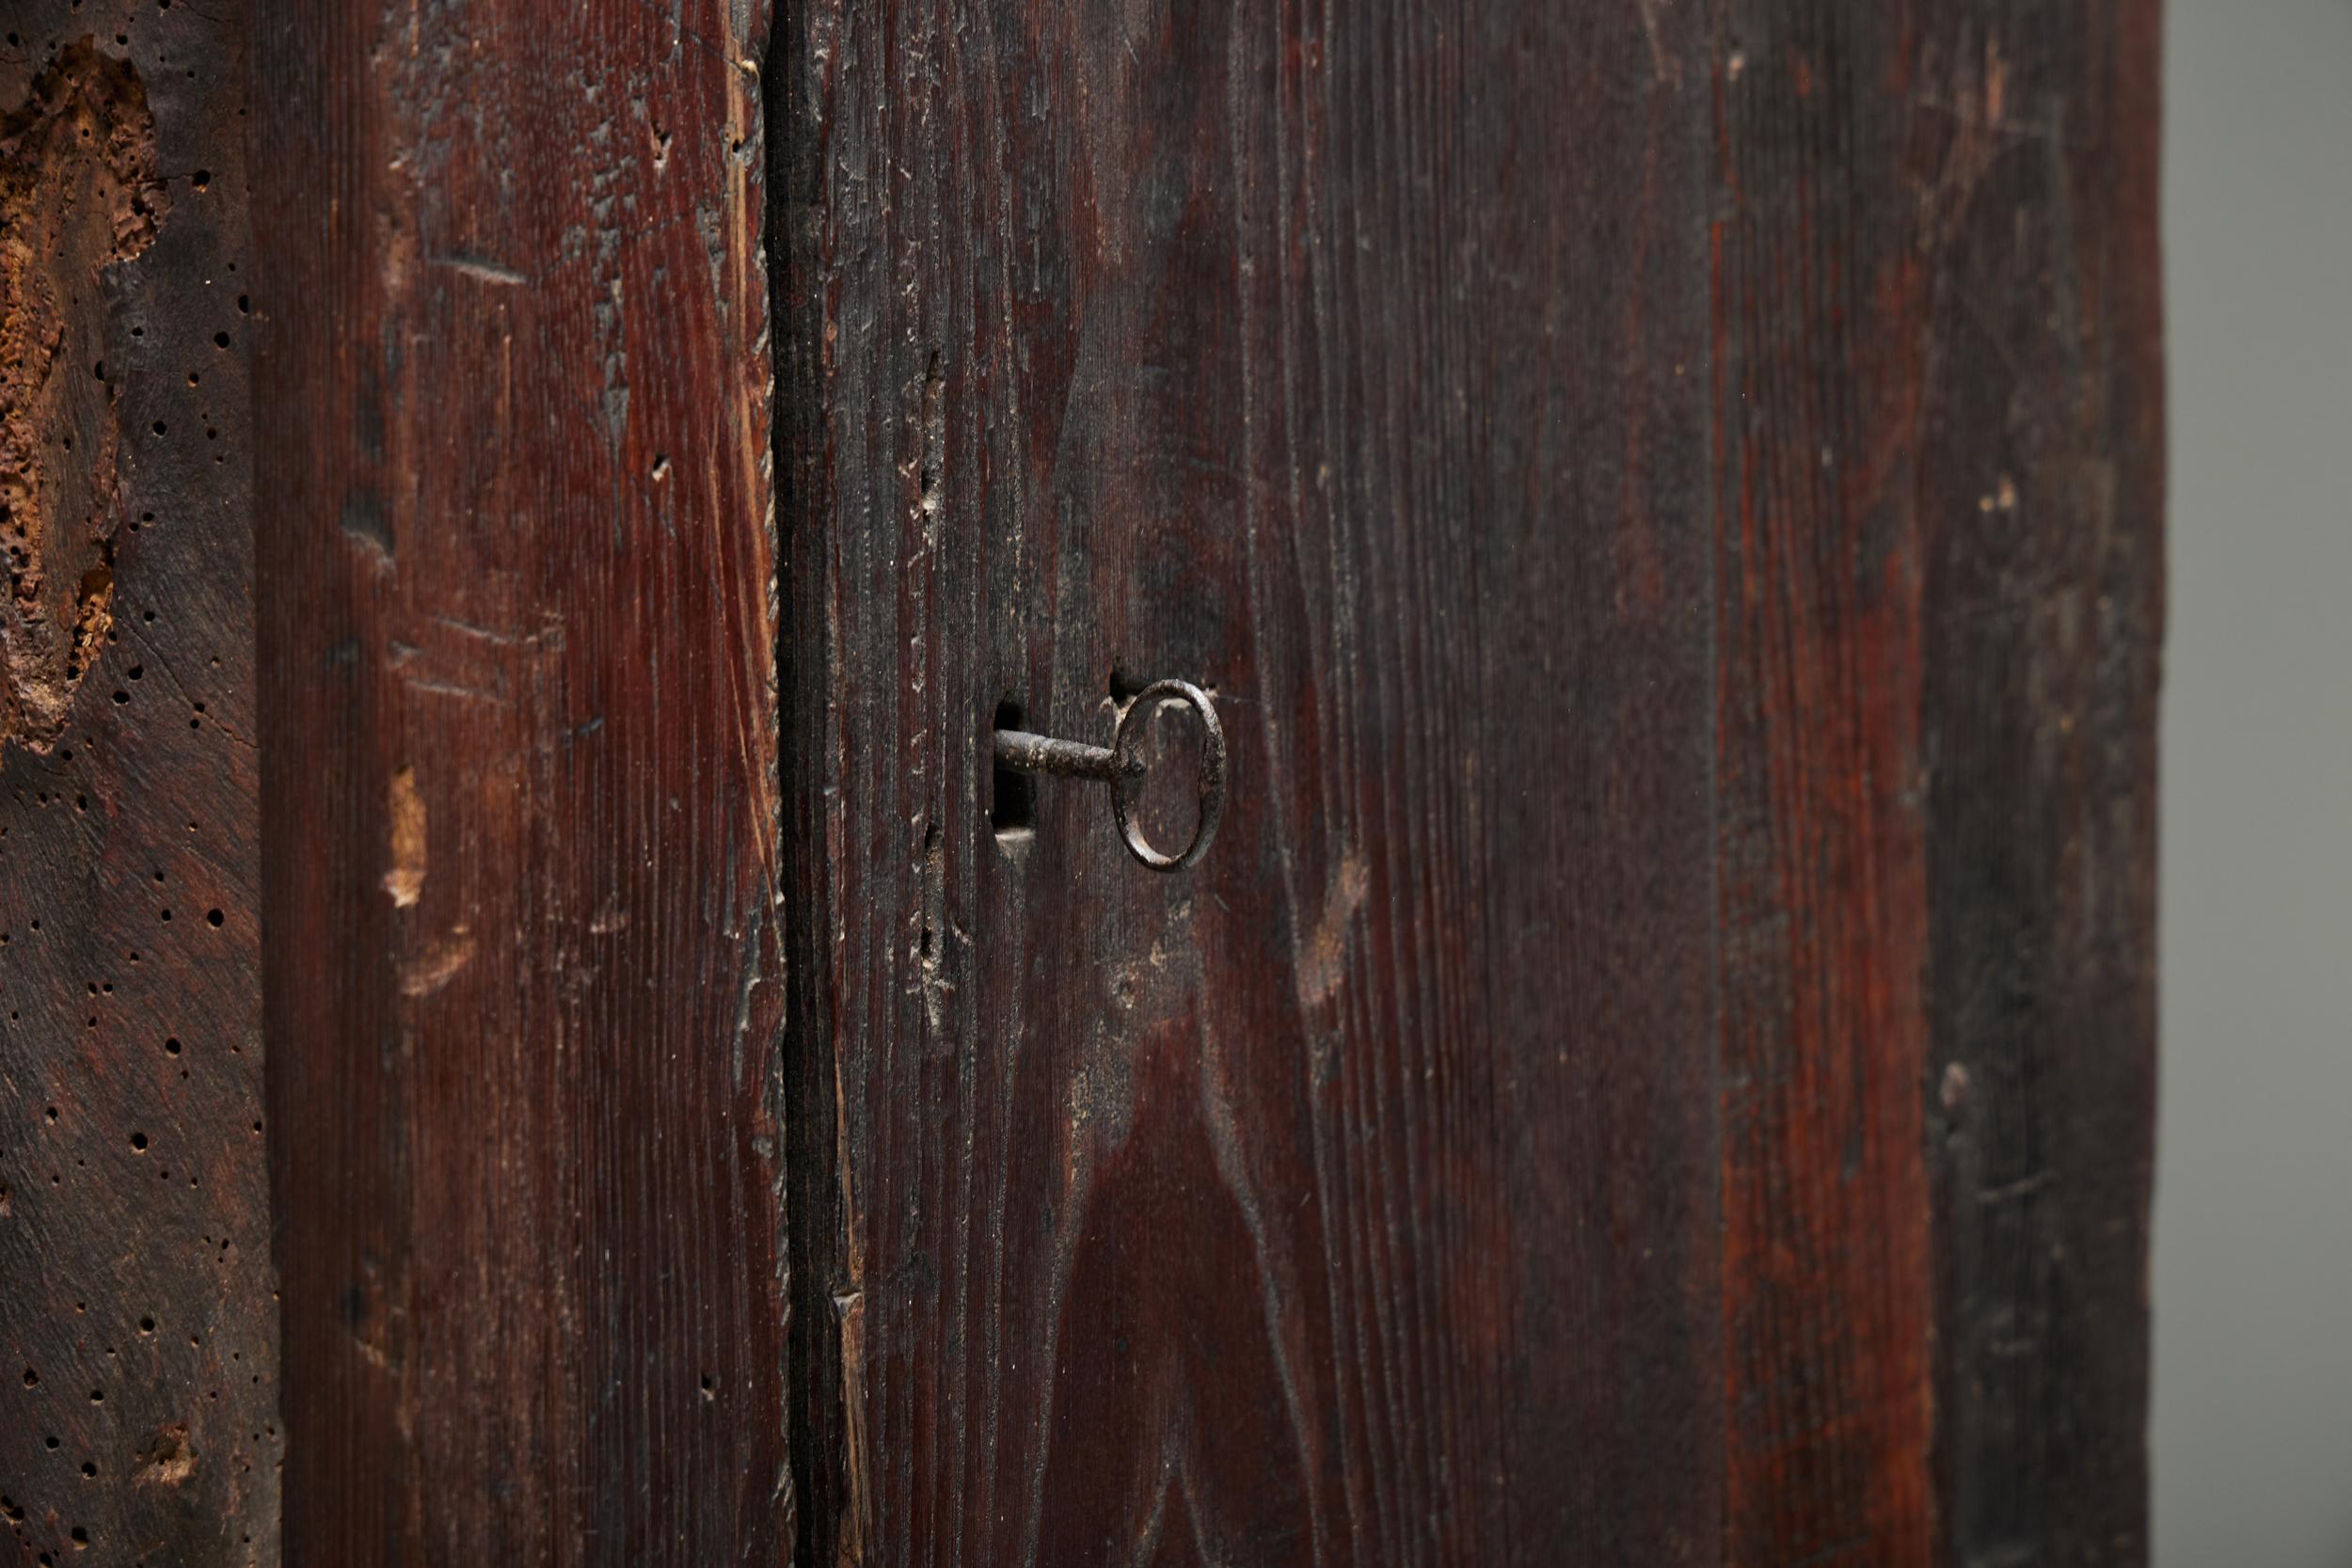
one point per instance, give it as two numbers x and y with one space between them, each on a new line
518 752
1352 1197
1656 1067
1821 352
1939 496
1415 327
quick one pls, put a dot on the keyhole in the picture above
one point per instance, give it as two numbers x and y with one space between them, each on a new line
1012 794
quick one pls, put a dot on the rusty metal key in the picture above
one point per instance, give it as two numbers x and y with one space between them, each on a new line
1121 765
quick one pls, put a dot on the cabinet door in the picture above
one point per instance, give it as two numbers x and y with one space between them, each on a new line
1656 1067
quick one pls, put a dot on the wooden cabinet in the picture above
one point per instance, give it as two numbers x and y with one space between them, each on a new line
1655 1066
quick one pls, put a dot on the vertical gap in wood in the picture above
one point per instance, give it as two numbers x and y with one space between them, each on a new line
812 1200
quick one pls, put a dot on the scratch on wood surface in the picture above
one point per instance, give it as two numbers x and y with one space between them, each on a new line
1325 952
483 269
404 877
849 1308
849 1302
1663 65
440 964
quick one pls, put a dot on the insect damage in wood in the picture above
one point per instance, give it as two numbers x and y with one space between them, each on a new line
138 1284
79 196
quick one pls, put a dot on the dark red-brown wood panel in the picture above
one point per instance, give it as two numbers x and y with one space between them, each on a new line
1352 1198
1364 1197
2044 468
1939 490
519 771
139 1396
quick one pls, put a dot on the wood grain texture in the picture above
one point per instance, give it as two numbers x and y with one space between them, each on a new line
1352 1200
1938 442
139 1394
518 743
1361 1200
2046 608
1657 1068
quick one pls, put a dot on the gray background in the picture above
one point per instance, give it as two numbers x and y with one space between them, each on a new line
2252 1431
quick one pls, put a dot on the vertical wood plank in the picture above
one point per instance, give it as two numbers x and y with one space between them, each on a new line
139 1333
519 763
1352 1198
1840 182
1939 537
2045 595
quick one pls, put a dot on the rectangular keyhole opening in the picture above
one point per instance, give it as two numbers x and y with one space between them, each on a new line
1012 794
